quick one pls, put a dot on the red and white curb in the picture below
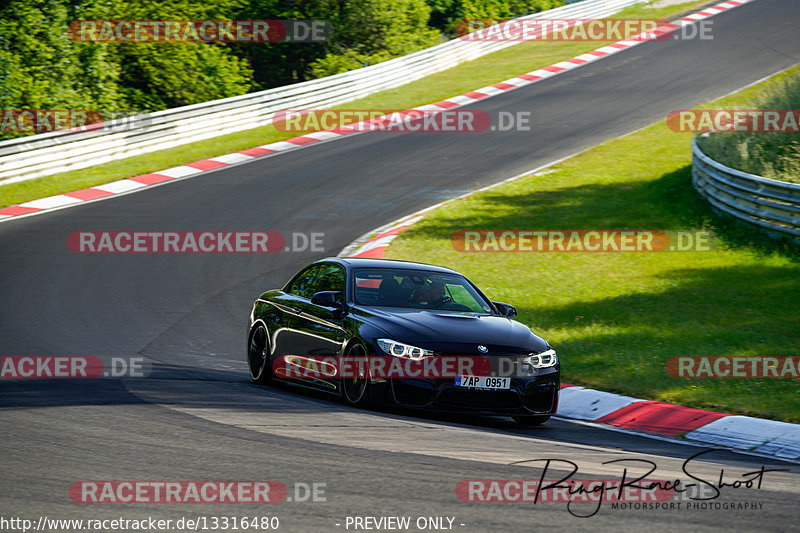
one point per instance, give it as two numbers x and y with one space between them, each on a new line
757 435
128 185
375 244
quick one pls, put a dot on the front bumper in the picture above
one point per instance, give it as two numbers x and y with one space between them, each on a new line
534 395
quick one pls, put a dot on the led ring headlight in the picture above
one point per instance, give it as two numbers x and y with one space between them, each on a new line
398 349
545 359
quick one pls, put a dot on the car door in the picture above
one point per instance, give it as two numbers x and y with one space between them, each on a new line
287 304
317 331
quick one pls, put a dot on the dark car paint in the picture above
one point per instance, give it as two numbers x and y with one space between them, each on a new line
297 326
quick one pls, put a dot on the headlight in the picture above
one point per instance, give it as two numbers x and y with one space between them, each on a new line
399 349
545 359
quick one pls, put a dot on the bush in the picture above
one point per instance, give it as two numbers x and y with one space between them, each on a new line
772 155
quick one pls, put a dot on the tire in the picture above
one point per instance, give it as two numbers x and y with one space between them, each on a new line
355 390
531 421
258 356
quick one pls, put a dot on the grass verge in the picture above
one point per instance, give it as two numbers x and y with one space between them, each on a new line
490 69
616 318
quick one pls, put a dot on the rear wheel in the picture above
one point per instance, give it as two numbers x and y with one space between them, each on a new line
531 420
355 389
258 356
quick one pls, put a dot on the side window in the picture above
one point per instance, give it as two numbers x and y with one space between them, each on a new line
303 284
330 278
460 295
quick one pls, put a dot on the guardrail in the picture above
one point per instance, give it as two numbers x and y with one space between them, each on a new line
770 204
48 153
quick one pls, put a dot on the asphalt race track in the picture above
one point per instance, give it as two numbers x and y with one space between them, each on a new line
197 417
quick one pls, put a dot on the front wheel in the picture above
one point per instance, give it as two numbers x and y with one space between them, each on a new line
355 389
258 356
531 421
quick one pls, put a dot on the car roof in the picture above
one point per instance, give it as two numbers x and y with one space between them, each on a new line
364 262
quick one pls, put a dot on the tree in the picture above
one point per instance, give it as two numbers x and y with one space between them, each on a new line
42 68
282 63
371 31
446 14
162 75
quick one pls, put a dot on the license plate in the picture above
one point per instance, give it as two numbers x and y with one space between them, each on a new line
483 382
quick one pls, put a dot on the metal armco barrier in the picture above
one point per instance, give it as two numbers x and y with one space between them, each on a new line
770 204
49 153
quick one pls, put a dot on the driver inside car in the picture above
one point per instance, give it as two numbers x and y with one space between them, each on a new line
437 295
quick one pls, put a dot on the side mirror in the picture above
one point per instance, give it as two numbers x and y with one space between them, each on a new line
506 309
328 299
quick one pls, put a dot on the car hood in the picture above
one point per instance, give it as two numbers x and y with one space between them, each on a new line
430 327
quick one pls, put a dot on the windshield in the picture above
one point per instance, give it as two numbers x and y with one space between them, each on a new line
417 289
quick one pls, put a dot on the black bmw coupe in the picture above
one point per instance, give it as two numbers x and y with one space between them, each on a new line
386 316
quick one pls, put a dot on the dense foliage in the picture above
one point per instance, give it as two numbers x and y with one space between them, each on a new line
446 14
41 67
